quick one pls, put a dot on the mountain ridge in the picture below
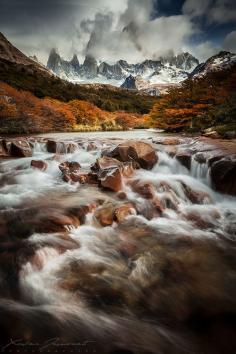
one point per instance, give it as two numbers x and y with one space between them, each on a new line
170 69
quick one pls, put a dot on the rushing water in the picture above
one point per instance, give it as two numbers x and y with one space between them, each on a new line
149 284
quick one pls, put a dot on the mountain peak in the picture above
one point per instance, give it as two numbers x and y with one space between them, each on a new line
222 60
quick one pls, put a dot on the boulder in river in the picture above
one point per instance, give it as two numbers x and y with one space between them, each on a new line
112 179
223 176
70 171
18 148
136 151
184 157
39 164
52 146
146 190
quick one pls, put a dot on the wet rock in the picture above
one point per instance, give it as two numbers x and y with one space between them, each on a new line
3 152
121 195
223 174
87 178
146 190
171 150
105 163
110 172
200 157
109 212
184 158
70 147
214 158
121 212
136 151
112 179
51 146
91 146
205 221
168 141
105 214
18 148
70 171
39 164
196 197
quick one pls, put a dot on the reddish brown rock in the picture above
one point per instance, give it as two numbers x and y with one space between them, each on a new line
70 147
137 151
196 197
91 146
121 195
109 212
146 190
87 178
39 164
105 163
223 176
121 212
70 171
105 214
184 158
112 180
158 205
168 141
72 166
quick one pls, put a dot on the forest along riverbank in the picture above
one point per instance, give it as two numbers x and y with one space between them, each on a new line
103 239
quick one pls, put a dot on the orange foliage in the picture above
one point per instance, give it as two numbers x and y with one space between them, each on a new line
32 115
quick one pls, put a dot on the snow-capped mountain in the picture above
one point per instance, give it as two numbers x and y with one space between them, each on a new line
221 61
166 70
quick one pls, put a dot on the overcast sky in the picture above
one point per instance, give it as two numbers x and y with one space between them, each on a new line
119 29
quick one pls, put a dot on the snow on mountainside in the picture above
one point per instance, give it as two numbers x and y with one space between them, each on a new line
221 61
166 70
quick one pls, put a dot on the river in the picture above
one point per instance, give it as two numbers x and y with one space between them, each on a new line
159 279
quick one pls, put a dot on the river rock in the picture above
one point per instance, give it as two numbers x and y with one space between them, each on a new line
39 164
18 148
112 179
223 176
184 158
196 197
200 157
136 151
146 190
3 152
109 212
51 146
105 163
104 214
70 147
70 171
91 146
121 212
167 141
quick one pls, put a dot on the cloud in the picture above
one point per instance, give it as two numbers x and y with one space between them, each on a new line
134 35
230 42
203 50
214 11
110 30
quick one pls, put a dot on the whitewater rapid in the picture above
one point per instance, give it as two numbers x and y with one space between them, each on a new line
128 287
